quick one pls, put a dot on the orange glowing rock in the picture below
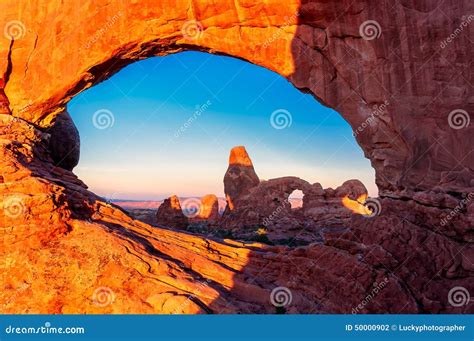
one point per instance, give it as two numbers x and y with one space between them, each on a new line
174 203
356 206
65 250
170 214
209 209
239 156
230 204
240 176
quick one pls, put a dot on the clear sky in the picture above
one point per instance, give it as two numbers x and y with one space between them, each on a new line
165 125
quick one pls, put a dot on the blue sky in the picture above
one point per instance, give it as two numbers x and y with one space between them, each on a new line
165 125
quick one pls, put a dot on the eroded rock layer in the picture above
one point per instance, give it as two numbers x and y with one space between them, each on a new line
65 250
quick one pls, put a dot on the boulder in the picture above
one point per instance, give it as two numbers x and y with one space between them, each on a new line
265 208
64 142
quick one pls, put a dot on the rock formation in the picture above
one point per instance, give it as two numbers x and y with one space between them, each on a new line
170 214
64 142
266 205
209 209
324 206
240 176
405 90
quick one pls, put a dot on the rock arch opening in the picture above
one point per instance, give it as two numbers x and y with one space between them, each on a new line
296 199
423 174
164 127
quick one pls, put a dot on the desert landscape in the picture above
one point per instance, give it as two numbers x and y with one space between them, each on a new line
255 210
400 74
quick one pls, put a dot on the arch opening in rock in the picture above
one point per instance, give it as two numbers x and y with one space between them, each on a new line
164 126
398 91
296 199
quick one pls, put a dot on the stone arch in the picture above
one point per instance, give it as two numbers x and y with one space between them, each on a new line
287 45
302 44
320 47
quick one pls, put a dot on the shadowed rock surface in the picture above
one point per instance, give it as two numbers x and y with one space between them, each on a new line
64 142
264 207
170 214
60 243
240 177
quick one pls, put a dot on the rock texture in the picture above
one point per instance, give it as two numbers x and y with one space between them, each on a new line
65 250
170 214
209 209
240 176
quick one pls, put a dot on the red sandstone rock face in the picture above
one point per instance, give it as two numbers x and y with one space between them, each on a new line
61 244
240 177
170 214
266 206
325 206
209 209
317 45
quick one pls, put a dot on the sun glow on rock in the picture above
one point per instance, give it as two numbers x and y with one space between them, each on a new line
357 206
239 156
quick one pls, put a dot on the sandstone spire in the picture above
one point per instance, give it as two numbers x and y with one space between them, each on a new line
240 176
